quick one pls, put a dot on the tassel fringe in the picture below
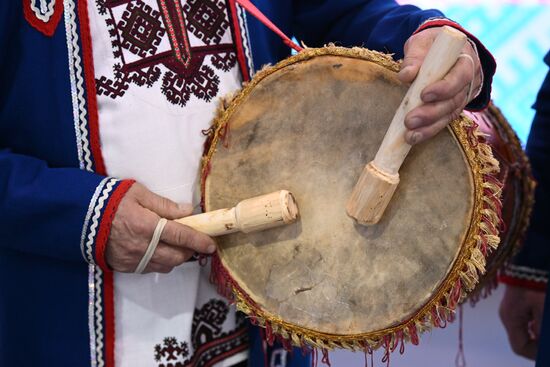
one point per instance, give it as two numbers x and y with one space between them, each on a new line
465 274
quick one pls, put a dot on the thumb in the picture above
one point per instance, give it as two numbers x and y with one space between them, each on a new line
164 207
416 48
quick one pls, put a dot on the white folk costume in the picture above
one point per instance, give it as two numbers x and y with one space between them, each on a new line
99 93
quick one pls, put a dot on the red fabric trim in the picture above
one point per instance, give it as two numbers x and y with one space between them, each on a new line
481 48
524 283
89 76
239 41
47 28
256 13
106 222
108 288
109 318
205 347
223 356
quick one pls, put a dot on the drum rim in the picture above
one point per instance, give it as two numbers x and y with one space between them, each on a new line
468 265
527 191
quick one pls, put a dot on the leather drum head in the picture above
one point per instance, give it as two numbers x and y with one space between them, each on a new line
310 127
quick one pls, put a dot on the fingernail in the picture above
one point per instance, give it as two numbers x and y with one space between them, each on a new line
430 97
415 137
211 249
414 122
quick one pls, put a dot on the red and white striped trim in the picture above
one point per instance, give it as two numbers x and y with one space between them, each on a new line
523 276
76 77
89 229
243 24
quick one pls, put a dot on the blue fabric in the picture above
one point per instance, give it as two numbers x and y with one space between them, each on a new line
44 197
274 356
378 24
535 252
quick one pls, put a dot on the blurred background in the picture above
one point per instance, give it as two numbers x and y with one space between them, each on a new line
518 35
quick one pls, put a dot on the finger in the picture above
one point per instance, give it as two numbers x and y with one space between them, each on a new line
423 128
421 134
162 206
523 347
535 326
171 256
415 51
457 79
180 235
516 324
520 341
429 113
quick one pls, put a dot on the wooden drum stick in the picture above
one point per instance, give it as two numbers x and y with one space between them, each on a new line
380 177
255 214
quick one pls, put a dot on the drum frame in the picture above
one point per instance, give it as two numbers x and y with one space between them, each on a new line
465 273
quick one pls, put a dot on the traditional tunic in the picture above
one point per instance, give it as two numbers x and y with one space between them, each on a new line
98 93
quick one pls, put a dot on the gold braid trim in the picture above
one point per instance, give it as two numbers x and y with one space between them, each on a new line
465 272
526 196
528 182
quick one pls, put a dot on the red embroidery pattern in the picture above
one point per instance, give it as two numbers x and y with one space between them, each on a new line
178 34
207 19
210 344
150 42
171 350
224 61
140 29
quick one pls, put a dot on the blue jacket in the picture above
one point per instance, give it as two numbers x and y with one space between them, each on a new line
535 253
54 196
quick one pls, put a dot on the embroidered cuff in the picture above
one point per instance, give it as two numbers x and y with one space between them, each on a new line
522 276
97 224
488 64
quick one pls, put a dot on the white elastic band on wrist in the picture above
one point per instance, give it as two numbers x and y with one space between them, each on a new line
152 246
468 57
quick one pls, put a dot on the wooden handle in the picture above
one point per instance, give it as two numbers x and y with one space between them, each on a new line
380 178
255 214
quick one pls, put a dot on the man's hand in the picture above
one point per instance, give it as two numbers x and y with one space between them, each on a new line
521 311
443 100
132 229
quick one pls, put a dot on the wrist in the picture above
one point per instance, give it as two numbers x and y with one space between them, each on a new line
101 212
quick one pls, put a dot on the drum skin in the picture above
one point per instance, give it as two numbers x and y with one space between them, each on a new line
309 125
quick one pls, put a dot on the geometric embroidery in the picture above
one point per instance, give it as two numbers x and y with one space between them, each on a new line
210 344
141 29
204 84
171 350
150 42
208 321
224 61
206 19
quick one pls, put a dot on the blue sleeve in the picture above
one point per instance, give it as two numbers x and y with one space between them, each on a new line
53 212
377 24
48 206
536 250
